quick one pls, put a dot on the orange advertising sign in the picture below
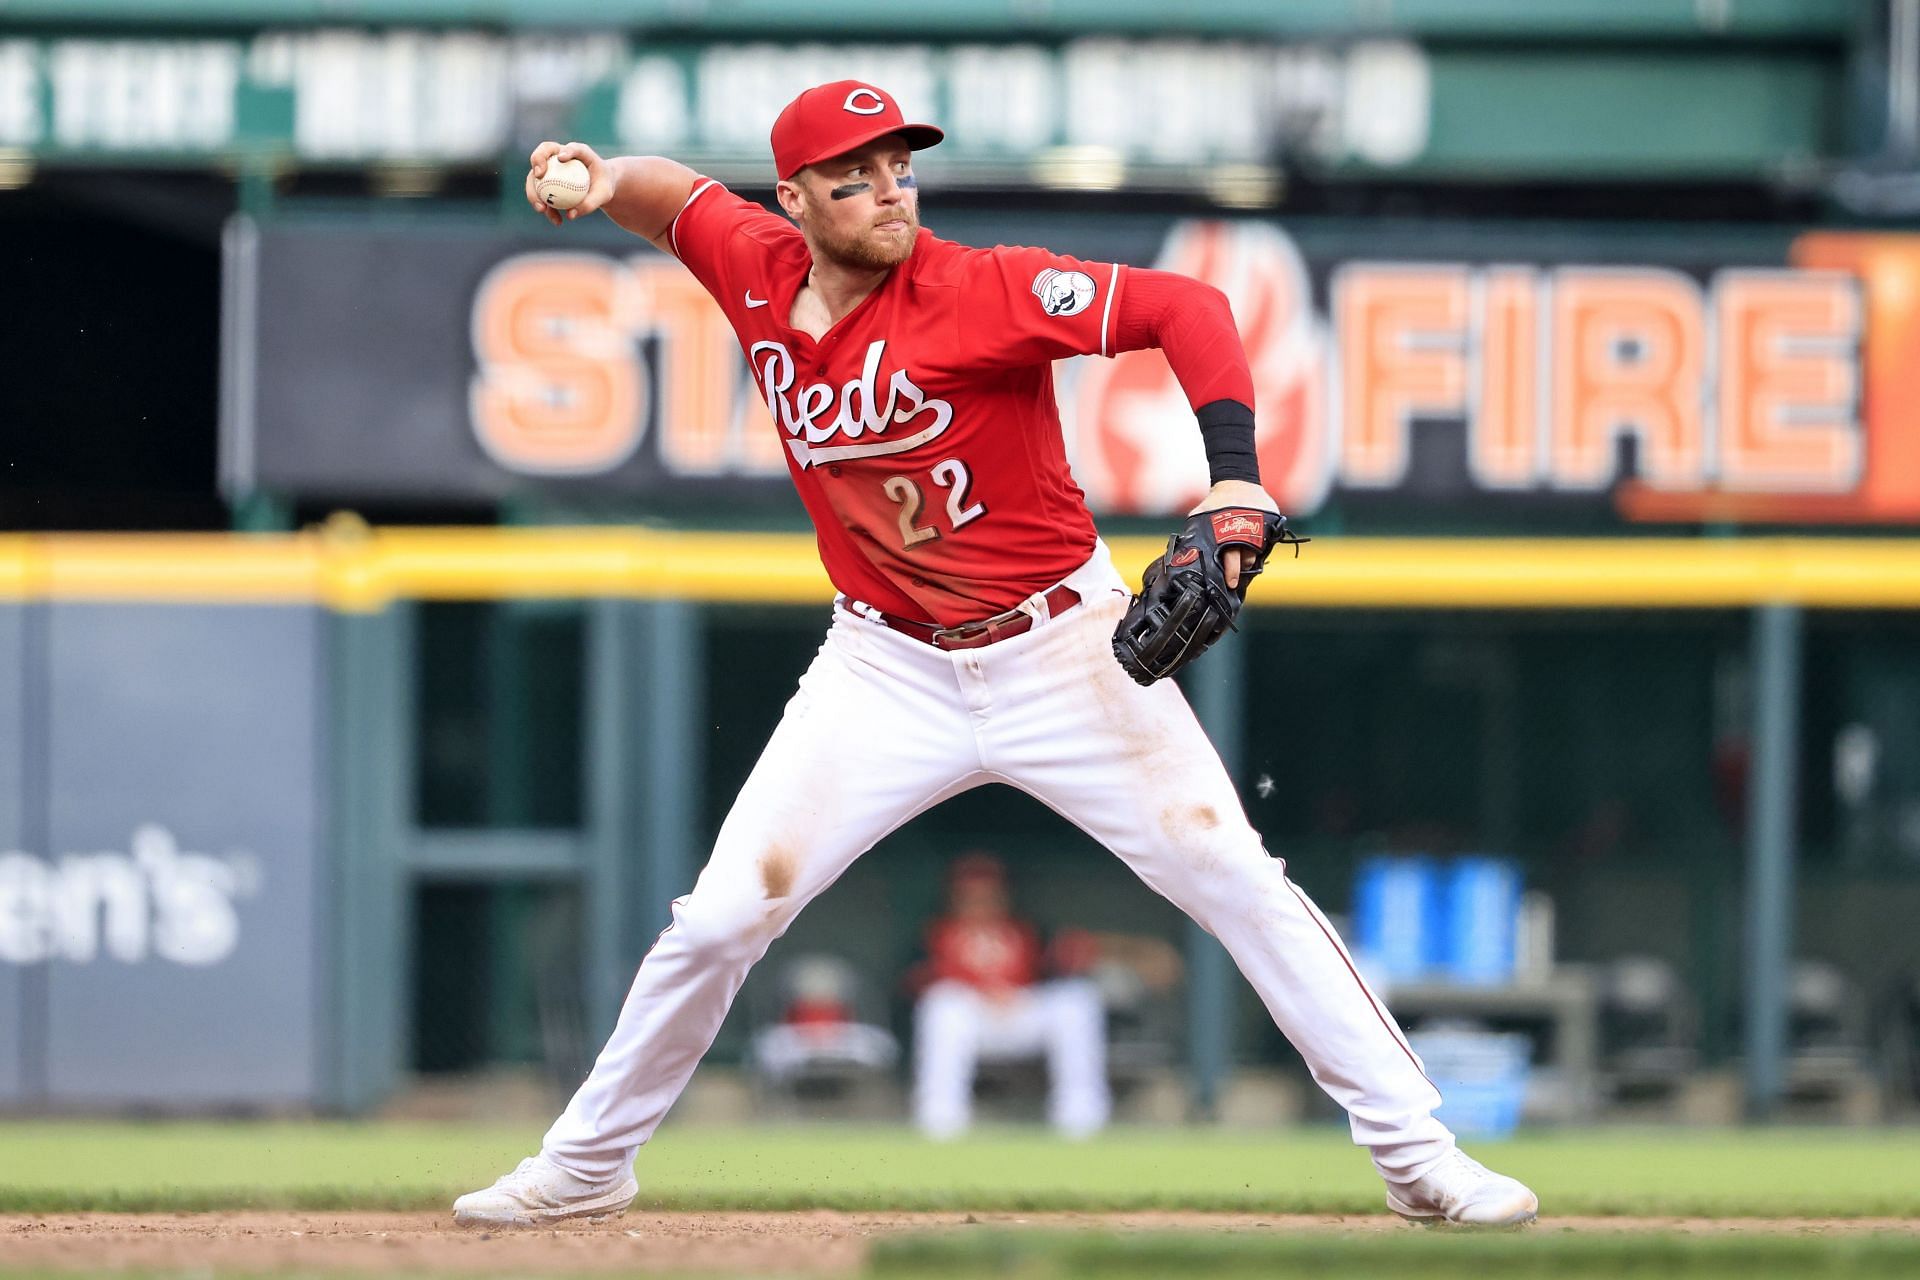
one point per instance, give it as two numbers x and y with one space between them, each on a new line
1775 393
1778 394
561 370
1870 358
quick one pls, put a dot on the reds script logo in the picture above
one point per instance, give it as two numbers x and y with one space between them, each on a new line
860 410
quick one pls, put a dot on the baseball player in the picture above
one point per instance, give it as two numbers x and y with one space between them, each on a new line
980 634
983 998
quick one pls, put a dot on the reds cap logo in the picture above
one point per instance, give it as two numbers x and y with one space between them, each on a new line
1063 293
814 126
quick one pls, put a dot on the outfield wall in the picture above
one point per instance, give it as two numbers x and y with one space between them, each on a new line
162 942
226 753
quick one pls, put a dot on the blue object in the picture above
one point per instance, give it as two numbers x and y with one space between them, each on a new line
1481 1075
1481 914
1395 910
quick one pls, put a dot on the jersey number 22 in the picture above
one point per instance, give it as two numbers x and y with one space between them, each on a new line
950 475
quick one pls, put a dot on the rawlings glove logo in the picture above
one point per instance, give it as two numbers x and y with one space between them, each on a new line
1239 526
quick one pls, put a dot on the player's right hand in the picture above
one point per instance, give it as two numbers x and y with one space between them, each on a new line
599 178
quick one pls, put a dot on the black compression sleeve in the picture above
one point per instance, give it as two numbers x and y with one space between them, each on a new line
1226 427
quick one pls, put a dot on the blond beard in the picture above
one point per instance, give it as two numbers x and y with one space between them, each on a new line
860 253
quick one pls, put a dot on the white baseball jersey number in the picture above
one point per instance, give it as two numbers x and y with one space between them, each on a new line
951 475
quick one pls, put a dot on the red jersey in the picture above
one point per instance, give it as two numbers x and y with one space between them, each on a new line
921 429
990 955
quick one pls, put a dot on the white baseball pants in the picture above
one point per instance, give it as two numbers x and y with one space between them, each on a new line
884 727
955 1028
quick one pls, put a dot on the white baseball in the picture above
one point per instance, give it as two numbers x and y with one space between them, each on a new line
564 185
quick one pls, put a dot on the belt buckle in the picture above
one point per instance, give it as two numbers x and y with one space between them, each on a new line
983 627
963 631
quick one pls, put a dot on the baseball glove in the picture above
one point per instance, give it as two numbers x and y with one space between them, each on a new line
1185 603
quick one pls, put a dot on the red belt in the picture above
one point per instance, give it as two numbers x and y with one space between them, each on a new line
975 635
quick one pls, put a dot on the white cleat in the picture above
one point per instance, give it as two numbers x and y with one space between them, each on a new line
541 1191
1462 1190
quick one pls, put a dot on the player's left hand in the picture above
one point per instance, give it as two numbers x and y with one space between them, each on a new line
1236 493
1187 599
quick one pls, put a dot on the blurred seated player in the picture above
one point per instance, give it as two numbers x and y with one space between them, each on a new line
983 999
819 1027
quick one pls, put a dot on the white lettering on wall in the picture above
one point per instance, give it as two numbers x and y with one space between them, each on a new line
144 95
461 95
1386 103
154 901
398 96
741 87
1002 97
413 95
20 121
652 113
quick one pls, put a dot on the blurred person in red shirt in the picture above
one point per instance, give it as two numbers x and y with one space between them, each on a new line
983 996
820 1026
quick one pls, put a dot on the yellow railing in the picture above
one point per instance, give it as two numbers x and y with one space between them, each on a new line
349 567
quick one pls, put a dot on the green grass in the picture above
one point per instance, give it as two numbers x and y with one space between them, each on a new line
1096 1256
202 1271
1427 1255
53 1166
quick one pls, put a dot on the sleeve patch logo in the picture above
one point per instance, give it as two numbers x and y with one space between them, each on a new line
1063 293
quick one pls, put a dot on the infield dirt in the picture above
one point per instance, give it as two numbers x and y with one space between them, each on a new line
817 1243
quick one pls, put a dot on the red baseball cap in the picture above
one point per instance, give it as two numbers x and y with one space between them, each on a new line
830 119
